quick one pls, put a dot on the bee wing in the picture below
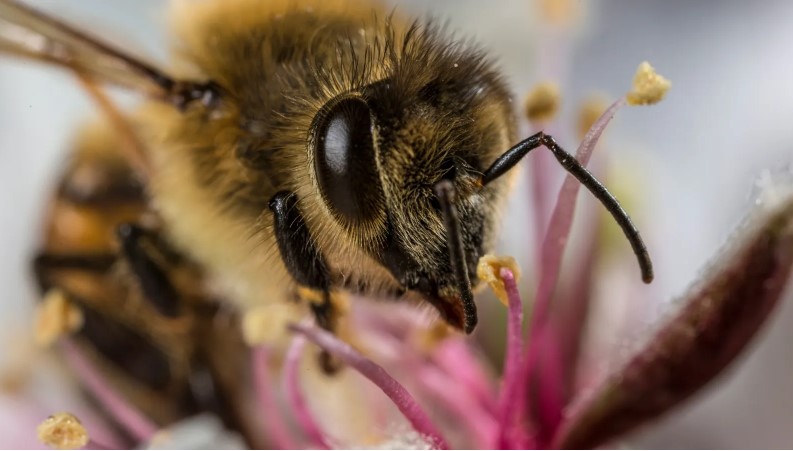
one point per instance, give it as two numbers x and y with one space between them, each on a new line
27 33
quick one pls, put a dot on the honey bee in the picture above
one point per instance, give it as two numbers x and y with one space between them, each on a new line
295 150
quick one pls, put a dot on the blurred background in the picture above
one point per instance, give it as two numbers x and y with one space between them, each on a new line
697 154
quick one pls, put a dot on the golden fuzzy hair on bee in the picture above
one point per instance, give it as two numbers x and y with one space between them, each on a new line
280 65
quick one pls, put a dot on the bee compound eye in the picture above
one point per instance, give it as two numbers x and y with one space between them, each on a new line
345 160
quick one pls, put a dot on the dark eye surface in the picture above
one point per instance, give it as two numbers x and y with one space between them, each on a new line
345 161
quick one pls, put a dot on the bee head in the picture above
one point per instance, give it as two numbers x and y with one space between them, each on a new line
381 152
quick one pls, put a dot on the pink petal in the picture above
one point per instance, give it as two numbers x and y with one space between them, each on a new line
452 380
717 320
19 418
137 424
455 357
95 445
374 372
295 396
480 427
276 428
547 389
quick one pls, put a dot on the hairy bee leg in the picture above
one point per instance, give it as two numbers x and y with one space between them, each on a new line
154 282
305 264
302 257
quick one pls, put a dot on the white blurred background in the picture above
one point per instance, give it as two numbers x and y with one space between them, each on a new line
728 117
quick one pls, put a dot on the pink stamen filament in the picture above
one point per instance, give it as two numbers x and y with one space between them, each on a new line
561 222
510 401
294 394
447 388
552 251
378 375
541 180
130 418
573 310
274 425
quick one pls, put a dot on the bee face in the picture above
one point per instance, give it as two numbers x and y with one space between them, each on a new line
379 153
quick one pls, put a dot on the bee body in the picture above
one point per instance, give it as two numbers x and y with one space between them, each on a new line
151 346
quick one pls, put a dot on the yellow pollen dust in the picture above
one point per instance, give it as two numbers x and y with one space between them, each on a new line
268 324
590 111
428 339
489 270
649 87
542 102
63 431
55 316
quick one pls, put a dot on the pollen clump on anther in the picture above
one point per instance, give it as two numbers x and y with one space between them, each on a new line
649 87
489 269
542 102
63 431
56 316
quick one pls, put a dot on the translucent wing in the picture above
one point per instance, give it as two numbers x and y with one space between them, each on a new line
27 33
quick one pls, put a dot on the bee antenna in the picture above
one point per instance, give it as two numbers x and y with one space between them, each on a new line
446 193
512 156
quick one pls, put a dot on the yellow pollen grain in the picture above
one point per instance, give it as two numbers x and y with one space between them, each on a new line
542 102
489 270
590 111
313 296
649 87
63 431
268 324
428 339
55 316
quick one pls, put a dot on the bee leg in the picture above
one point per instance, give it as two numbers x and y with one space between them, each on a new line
154 282
46 262
305 264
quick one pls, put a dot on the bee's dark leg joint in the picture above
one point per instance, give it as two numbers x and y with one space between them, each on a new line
305 263
154 282
512 156
445 192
